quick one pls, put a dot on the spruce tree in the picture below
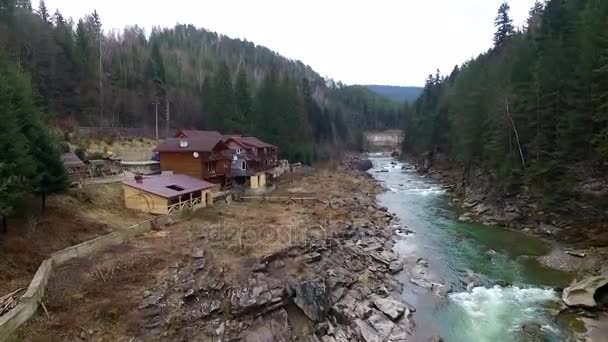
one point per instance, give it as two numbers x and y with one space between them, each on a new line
242 93
43 12
16 164
504 25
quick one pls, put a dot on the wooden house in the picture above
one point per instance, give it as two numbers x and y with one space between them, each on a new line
251 160
166 194
198 155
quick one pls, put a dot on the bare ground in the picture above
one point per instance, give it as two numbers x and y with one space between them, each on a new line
97 298
70 218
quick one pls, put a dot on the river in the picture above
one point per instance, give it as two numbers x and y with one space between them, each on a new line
457 251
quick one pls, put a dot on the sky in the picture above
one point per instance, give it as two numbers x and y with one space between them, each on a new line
393 42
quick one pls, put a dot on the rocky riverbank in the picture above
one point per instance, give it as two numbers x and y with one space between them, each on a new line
579 242
326 287
574 248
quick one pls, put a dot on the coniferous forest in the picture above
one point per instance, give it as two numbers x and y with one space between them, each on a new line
65 73
533 109
86 75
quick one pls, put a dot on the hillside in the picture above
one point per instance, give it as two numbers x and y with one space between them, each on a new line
531 111
397 93
374 111
86 75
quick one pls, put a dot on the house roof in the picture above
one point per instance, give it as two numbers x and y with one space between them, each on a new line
202 141
70 159
254 142
158 185
199 143
194 134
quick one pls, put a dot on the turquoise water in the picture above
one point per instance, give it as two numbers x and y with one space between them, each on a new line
456 250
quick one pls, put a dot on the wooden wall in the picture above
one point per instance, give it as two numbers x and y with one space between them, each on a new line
144 201
222 167
182 163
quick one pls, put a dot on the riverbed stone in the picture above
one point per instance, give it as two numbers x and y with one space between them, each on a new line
390 307
363 165
313 298
368 333
588 291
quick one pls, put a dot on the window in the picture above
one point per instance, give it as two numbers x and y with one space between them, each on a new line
175 187
211 166
265 150
255 151
238 150
244 165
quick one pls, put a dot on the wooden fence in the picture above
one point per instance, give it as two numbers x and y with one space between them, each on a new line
33 297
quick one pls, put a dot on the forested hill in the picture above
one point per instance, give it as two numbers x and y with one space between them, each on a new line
397 93
86 75
533 108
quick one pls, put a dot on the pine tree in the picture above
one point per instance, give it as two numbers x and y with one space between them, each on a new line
243 100
50 173
504 26
155 71
43 12
16 164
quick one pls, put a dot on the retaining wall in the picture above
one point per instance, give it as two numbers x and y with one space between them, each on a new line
29 302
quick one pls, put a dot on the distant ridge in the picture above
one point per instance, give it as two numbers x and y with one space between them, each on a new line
396 93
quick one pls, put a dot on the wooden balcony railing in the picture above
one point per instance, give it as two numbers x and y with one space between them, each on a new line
190 203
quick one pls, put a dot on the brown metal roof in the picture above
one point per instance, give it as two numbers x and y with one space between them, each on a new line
194 134
255 142
200 143
158 185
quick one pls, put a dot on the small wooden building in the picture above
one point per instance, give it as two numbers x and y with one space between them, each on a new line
198 155
166 194
75 167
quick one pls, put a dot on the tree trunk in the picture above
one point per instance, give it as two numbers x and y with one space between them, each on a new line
4 225
43 197
521 154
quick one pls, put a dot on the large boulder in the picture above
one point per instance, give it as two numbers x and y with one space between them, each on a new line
588 292
363 165
313 298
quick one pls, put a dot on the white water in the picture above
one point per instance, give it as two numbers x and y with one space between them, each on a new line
497 313
493 314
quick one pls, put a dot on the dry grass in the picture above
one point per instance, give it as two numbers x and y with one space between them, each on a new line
70 218
100 296
102 293
127 149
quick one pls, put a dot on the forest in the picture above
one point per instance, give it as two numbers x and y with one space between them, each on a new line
533 109
85 75
58 74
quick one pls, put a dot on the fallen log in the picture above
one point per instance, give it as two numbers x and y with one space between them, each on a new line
576 254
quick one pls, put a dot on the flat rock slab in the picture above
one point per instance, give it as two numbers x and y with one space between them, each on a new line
313 298
390 307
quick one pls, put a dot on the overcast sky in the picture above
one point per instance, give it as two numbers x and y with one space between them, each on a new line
396 42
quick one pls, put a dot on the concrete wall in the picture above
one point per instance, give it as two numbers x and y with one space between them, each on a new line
29 302
386 139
